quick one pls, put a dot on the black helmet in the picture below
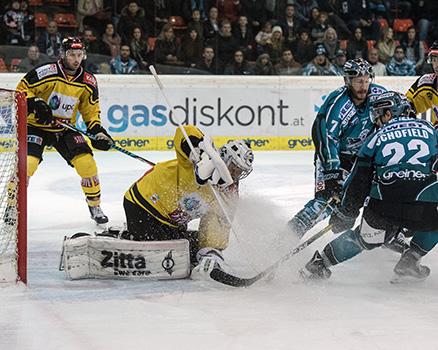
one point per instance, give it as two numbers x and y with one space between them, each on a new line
72 43
355 68
392 101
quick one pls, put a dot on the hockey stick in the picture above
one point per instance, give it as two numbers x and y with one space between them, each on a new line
225 278
192 148
113 145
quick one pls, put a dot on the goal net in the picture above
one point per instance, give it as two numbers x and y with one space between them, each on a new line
13 141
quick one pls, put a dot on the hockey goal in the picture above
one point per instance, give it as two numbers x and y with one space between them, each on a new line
13 178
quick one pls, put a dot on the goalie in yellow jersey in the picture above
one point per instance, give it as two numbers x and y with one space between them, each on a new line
56 92
423 94
159 205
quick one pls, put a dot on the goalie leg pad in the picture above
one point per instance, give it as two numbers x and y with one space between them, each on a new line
112 258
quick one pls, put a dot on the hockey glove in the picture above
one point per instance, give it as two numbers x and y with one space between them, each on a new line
340 221
333 180
102 140
42 111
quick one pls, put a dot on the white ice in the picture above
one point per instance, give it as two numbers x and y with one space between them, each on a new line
356 309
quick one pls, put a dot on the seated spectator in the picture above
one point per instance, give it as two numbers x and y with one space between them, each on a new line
132 15
339 61
139 48
33 59
112 40
413 47
157 13
92 13
28 23
264 66
331 7
201 5
386 45
288 65
399 65
13 33
239 65
320 65
225 43
209 62
166 46
49 42
303 9
358 14
211 25
424 15
124 64
379 68
319 27
304 49
244 37
229 10
331 43
255 11
196 24
93 44
263 38
357 46
191 48
277 45
290 25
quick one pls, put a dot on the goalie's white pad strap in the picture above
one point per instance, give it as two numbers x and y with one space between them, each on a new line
105 257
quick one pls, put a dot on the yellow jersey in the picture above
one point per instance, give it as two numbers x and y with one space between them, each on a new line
423 95
162 190
66 95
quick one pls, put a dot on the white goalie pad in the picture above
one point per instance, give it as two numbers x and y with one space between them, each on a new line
113 258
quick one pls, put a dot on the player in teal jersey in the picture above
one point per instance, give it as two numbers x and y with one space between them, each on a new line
339 130
394 176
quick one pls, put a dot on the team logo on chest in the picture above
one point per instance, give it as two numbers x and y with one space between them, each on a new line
62 105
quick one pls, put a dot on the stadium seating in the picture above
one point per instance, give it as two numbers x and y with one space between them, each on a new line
66 20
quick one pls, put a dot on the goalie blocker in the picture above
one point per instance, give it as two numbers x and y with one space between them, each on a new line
106 257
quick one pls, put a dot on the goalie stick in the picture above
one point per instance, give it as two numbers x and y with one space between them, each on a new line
113 145
225 278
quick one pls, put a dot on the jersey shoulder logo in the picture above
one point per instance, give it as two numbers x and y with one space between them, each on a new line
46 70
426 79
90 79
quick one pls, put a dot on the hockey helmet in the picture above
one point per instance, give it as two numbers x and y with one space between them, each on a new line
237 153
433 51
72 43
392 101
355 68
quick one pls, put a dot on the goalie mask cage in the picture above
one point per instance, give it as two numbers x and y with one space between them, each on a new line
13 181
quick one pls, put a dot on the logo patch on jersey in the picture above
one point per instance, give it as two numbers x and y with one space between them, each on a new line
426 79
391 176
89 79
155 198
62 105
35 139
46 70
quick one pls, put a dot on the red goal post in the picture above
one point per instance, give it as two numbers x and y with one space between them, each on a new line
13 183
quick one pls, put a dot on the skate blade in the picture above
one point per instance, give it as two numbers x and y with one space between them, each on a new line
404 279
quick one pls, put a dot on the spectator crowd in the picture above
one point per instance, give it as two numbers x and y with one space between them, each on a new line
232 37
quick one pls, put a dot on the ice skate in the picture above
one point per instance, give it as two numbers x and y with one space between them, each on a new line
315 269
409 269
98 215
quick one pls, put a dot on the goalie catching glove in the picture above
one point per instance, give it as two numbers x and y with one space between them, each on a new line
102 140
42 111
211 167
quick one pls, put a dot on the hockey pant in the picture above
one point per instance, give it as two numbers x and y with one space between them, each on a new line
74 149
143 226
377 227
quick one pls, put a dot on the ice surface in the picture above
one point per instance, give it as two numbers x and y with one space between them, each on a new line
356 309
